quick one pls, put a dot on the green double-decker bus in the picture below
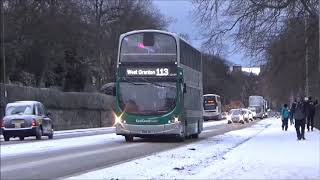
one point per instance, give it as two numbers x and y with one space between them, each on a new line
158 86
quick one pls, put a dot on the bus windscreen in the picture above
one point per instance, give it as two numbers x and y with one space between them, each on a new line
209 103
148 47
147 98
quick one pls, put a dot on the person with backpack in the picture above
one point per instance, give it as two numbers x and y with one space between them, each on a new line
300 118
310 112
285 116
292 109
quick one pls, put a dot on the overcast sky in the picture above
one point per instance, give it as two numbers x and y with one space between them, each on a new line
182 12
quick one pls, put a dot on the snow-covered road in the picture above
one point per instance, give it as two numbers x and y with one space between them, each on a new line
71 156
51 145
262 151
91 131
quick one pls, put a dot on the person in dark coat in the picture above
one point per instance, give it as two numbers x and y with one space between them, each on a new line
300 118
292 109
310 112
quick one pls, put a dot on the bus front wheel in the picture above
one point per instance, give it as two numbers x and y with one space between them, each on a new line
128 138
181 138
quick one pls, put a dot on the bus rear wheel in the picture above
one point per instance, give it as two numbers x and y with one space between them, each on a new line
128 138
195 136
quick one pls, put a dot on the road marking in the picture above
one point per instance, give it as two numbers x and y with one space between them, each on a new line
64 157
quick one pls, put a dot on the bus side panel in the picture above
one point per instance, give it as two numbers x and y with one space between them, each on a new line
193 100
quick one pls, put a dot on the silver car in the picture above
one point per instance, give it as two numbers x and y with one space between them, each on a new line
235 116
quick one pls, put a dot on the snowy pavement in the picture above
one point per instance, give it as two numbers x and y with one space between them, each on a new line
262 151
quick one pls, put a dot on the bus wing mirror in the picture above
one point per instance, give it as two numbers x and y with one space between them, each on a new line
114 91
48 114
184 88
108 89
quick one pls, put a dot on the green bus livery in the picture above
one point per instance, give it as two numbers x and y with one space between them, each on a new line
158 88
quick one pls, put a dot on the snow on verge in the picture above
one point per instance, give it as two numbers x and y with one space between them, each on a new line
184 162
273 154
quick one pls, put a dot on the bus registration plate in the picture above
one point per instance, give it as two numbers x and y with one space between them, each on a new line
147 132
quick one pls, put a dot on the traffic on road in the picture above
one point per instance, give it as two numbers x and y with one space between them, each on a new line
152 89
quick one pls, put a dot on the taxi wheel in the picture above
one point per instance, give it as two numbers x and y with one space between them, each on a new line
39 134
21 138
6 138
128 138
50 136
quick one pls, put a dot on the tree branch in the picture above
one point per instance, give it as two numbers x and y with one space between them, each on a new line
306 7
268 5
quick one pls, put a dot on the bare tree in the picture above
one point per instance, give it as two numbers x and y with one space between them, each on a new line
75 41
252 24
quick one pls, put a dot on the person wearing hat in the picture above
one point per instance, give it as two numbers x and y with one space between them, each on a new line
300 118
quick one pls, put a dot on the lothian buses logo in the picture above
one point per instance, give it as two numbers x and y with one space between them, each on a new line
146 121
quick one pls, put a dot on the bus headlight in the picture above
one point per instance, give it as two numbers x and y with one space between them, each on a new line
174 120
118 120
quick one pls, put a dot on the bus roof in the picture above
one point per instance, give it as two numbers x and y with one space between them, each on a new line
256 96
158 31
149 30
211 95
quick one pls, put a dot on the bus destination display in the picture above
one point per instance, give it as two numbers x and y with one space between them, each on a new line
163 71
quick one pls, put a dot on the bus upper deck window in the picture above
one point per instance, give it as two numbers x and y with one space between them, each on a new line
148 39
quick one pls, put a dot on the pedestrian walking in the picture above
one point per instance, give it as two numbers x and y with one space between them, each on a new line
310 112
300 118
285 117
292 109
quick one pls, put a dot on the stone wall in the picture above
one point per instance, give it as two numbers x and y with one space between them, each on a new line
69 110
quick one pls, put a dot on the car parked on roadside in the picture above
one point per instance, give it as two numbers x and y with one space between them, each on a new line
26 118
235 116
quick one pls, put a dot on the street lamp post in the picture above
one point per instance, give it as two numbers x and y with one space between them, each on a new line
306 54
4 91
